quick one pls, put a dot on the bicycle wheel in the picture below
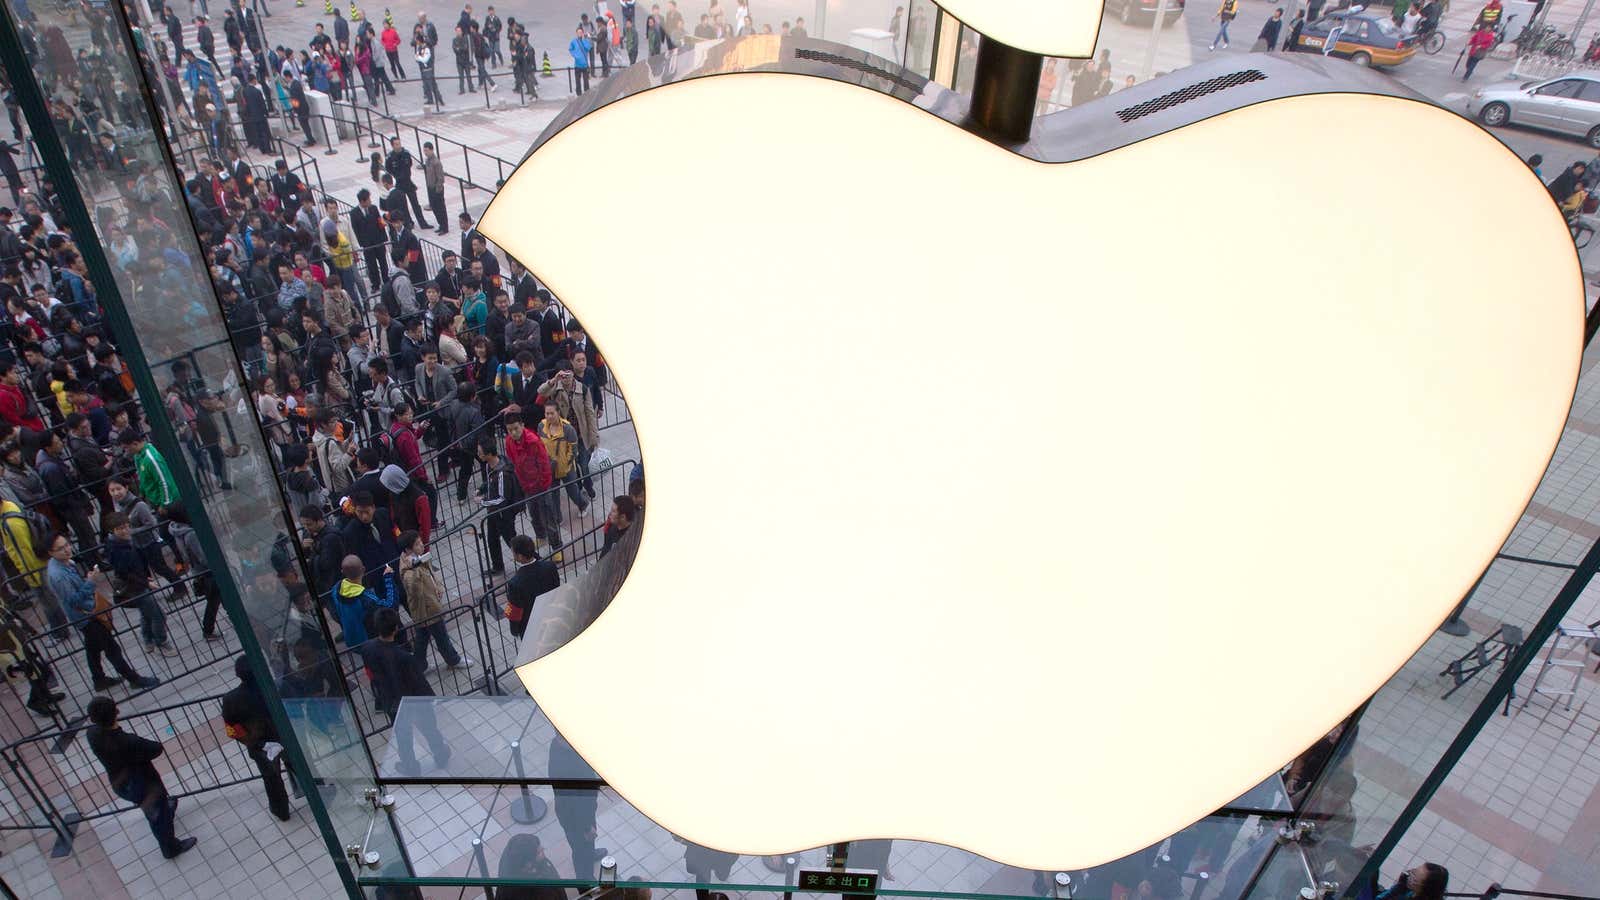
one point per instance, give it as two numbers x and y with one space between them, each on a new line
1433 43
1563 50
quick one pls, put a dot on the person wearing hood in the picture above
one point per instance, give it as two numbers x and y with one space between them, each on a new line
409 507
244 713
424 592
355 602
299 482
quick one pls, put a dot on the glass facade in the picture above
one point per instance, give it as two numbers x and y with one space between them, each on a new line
113 129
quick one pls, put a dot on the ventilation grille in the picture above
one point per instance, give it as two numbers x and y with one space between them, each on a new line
1192 92
859 66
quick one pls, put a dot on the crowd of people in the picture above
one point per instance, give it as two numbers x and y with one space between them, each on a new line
390 390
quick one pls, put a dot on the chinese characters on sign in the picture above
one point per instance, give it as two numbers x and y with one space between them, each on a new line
850 881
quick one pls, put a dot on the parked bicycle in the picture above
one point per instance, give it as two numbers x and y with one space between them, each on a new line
1546 41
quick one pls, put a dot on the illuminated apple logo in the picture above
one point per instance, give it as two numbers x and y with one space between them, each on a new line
1033 509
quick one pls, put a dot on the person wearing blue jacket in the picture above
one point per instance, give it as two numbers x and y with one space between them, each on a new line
77 597
579 47
356 603
197 72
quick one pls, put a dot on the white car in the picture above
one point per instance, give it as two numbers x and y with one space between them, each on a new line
1569 104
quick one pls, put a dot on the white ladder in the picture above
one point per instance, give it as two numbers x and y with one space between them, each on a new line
1569 636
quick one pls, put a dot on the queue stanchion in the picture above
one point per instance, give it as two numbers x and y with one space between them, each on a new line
483 867
526 809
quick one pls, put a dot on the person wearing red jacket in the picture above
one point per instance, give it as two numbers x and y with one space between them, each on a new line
530 461
1478 46
15 408
403 435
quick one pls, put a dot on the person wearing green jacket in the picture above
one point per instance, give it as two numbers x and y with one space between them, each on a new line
155 479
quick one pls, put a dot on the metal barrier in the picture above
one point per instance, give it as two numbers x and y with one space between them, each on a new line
55 781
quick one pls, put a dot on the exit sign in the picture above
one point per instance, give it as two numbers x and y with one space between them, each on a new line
848 881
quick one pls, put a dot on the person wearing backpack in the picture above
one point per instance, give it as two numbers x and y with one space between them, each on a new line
384 396
189 551
1227 12
398 295
409 506
561 443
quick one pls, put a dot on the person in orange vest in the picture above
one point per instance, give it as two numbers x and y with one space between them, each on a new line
1489 16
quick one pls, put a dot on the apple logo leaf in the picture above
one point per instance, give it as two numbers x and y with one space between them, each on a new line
985 492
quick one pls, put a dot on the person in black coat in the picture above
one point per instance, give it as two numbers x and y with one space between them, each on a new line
325 548
534 576
369 534
576 807
174 32
396 674
206 40
297 100
253 113
129 763
398 163
244 712
366 221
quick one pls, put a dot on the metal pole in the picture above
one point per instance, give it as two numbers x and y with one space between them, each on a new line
527 809
1583 19
1515 665
1005 89
1155 38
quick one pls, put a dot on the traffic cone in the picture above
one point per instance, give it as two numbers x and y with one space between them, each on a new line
548 72
388 17
355 14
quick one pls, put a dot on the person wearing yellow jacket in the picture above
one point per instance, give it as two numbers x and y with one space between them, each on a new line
561 443
24 556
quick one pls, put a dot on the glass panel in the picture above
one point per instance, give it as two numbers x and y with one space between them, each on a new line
920 32
1283 876
161 277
